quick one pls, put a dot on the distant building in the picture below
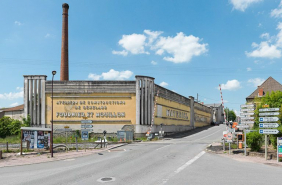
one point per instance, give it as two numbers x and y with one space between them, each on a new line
13 112
268 85
218 115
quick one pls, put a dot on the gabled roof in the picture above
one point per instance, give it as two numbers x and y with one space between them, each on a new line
17 108
268 85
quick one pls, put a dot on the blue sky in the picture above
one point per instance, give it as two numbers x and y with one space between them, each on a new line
189 47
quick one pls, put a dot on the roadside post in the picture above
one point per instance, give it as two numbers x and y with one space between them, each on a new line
272 118
247 111
105 132
84 130
279 148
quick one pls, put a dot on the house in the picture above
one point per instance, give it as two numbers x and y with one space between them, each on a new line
13 112
268 85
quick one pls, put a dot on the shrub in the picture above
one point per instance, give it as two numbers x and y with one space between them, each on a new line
254 140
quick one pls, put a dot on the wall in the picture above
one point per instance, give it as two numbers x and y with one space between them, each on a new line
110 105
15 114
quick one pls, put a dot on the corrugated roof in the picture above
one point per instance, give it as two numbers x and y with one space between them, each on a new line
268 85
17 108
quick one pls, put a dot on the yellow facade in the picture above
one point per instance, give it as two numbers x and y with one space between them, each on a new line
172 113
101 108
202 118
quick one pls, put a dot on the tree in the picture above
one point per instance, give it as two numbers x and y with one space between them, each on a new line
4 126
274 100
230 114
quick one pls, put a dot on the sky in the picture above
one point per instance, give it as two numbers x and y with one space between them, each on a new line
189 47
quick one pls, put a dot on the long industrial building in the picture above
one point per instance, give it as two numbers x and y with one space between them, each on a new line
140 105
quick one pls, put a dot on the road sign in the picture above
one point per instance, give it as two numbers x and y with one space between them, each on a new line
89 130
245 114
84 134
247 118
247 122
247 110
269 114
249 105
86 121
268 131
269 109
66 127
64 130
86 126
265 105
229 136
243 126
268 125
265 119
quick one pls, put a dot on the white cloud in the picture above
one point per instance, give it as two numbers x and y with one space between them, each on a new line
112 75
133 43
163 84
256 81
47 35
154 63
264 50
153 35
92 76
242 5
277 13
12 95
18 23
231 85
249 69
123 52
265 35
279 35
182 47
14 104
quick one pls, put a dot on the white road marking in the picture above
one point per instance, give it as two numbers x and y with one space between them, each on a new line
69 160
162 147
189 162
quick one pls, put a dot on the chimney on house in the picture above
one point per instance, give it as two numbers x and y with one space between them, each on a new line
260 91
65 45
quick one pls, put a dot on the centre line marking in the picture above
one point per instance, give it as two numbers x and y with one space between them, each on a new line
162 147
190 162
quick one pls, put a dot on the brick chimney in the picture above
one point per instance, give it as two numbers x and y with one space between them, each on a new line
65 45
260 91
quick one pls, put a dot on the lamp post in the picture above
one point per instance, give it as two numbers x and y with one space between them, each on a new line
53 73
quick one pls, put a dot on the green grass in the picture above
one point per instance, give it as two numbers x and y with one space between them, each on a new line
11 140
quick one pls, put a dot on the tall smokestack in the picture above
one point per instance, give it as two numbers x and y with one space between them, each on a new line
65 45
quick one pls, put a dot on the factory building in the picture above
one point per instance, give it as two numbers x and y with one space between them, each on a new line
139 105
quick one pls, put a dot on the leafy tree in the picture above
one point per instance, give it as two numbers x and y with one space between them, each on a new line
4 126
230 114
26 121
274 100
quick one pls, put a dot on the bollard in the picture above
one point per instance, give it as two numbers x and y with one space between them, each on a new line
0 154
7 147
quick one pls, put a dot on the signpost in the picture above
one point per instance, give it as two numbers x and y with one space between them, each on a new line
86 126
247 118
268 125
247 122
269 114
279 148
268 131
266 119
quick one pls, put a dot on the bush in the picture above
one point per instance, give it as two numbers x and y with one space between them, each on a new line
4 126
254 140
273 137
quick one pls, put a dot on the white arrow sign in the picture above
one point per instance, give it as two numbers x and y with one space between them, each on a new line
247 110
265 119
268 131
247 118
243 126
250 105
244 114
247 122
269 114
269 109
268 125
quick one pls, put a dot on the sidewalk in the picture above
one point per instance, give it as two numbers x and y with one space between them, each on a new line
217 148
14 159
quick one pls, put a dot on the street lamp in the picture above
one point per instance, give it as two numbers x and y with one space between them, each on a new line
53 73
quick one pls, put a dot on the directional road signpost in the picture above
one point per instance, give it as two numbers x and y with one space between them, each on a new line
268 125
266 119
268 131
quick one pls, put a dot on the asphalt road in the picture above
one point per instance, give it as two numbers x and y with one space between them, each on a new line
180 160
